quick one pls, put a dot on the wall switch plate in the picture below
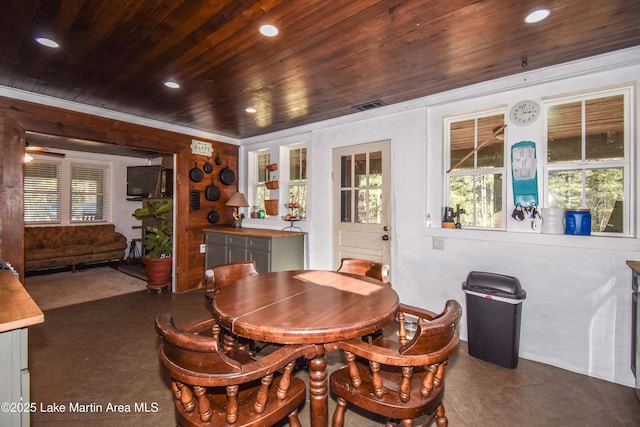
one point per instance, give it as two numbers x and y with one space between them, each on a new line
438 243
203 248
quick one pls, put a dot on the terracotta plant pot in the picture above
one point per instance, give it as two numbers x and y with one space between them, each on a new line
271 185
158 272
271 207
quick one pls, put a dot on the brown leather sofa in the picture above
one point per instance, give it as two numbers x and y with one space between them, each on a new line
69 245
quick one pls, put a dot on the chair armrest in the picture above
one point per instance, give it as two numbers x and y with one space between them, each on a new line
416 311
260 367
199 325
391 356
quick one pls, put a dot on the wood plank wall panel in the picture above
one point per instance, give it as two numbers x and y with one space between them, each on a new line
19 116
198 218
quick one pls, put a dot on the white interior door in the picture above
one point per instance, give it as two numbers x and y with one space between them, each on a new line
361 191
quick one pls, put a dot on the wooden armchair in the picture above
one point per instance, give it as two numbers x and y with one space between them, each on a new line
214 388
223 275
365 267
401 378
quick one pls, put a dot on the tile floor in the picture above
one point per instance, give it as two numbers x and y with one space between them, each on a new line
104 352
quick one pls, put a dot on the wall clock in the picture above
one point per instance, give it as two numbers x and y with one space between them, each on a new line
524 113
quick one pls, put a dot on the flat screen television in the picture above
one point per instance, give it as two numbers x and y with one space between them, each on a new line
149 181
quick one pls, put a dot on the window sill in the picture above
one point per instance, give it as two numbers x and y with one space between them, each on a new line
530 238
274 223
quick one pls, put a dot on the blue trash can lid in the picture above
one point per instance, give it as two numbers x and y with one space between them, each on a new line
494 284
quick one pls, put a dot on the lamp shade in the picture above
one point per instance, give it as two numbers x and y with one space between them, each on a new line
238 200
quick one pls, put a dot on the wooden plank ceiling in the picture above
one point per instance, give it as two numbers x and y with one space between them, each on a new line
329 56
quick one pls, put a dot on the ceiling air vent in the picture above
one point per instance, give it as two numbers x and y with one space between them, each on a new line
369 105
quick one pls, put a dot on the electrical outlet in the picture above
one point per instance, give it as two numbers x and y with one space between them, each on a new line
438 243
203 248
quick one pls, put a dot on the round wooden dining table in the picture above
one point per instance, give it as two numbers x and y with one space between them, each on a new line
306 307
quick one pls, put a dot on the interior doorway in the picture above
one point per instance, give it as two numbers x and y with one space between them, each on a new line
362 202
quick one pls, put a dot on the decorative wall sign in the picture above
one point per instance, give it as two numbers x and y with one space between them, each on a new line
201 148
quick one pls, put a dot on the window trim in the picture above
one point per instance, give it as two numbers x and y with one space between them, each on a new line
285 178
105 194
64 165
253 175
59 193
475 171
628 164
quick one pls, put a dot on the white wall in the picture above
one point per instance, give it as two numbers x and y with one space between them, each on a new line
121 209
577 314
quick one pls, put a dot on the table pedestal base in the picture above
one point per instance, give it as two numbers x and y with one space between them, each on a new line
319 391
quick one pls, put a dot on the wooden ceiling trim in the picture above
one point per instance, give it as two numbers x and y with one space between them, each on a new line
328 57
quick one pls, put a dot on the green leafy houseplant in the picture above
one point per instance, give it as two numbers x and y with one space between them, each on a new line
158 241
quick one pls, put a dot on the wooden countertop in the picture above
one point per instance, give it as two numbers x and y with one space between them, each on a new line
635 265
256 232
17 308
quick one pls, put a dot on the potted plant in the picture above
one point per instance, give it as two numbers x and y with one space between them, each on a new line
158 241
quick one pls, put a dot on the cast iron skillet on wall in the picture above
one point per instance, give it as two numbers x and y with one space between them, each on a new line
208 167
212 192
213 216
227 175
195 174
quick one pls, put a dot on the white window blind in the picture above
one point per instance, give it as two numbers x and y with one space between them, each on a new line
42 192
89 201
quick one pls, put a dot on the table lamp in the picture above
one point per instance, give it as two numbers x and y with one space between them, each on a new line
238 200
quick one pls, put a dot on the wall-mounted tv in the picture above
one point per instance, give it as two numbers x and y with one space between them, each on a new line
149 181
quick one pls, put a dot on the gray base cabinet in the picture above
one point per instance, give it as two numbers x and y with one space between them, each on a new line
15 378
17 312
270 249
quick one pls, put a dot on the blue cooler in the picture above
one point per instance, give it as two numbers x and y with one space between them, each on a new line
578 222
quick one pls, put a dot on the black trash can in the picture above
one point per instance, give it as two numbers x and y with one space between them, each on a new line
494 311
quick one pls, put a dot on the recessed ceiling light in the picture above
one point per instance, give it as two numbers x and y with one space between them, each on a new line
268 30
537 16
251 110
46 41
171 84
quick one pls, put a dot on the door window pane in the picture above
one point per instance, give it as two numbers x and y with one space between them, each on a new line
361 205
345 175
375 169
367 189
345 206
360 169
375 206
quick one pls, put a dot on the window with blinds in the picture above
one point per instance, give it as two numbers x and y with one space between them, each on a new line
89 201
42 192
